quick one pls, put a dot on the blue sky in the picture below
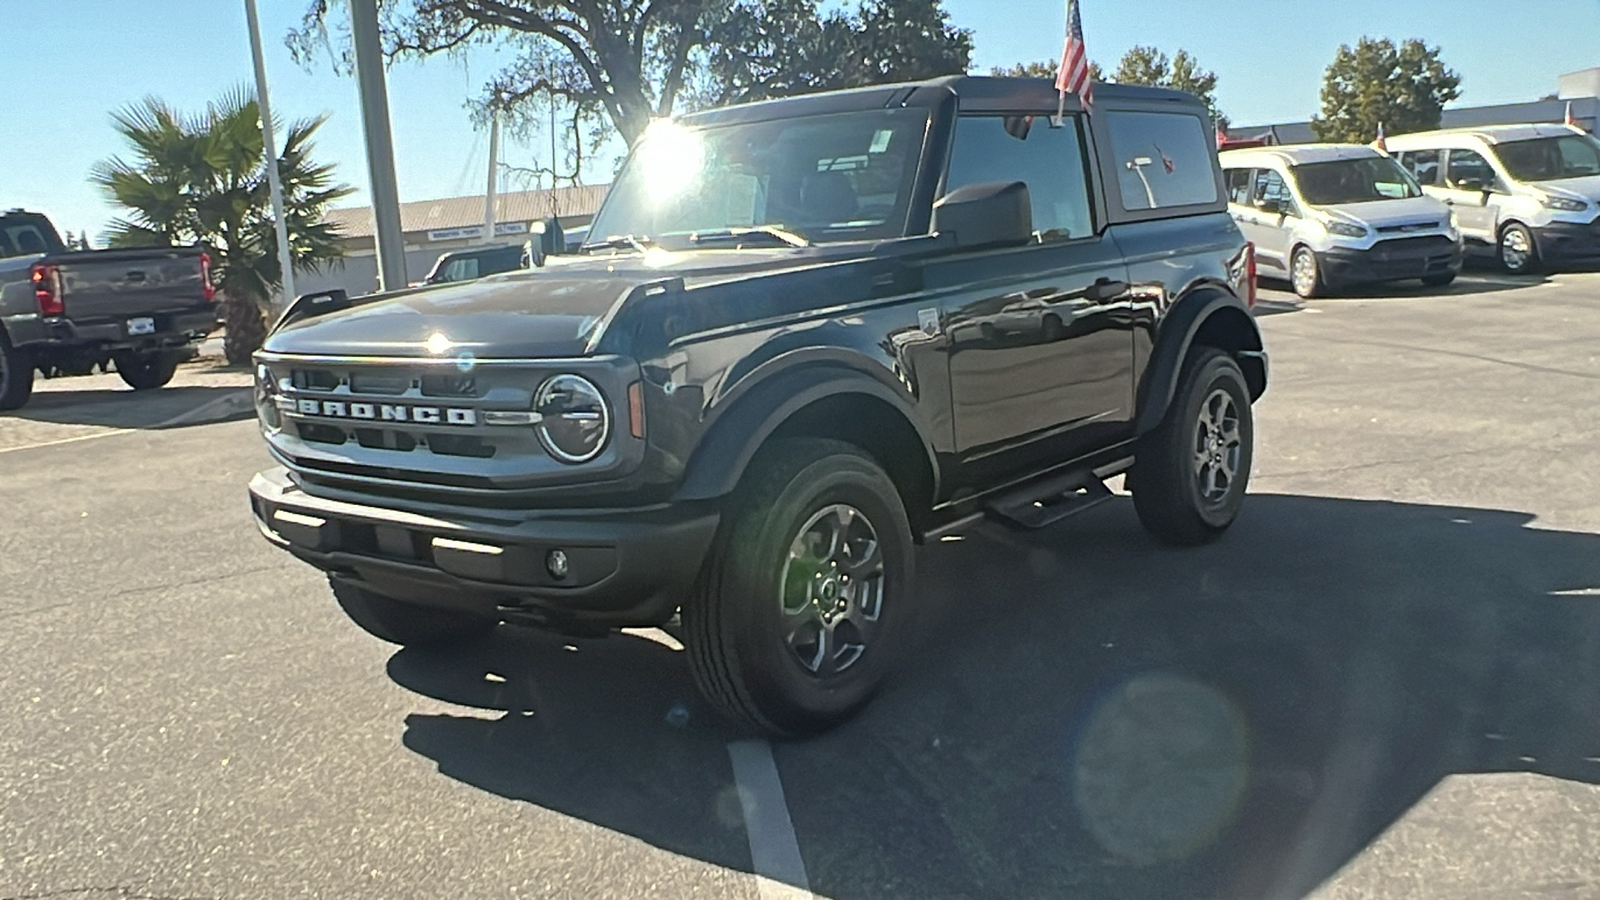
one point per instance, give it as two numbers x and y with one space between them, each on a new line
85 58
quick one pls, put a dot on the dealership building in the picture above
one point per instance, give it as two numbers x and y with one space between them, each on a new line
1579 90
435 227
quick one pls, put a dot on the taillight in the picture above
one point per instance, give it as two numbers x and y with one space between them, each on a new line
47 289
208 289
1250 274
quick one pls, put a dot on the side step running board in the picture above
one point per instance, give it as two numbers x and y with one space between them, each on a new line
1047 502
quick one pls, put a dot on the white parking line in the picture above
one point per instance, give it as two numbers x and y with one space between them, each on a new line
70 440
774 851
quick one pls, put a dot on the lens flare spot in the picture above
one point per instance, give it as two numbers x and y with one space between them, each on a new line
437 343
1161 767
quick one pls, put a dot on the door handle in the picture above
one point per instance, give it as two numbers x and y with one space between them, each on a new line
1106 289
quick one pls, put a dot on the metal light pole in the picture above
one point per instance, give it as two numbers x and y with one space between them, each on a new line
494 178
380 146
270 144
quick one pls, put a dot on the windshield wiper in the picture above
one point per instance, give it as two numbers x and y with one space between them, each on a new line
629 241
735 235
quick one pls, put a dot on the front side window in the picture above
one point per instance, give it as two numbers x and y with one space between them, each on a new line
1550 159
1422 164
1354 181
834 177
1026 148
1271 188
462 269
1469 170
1162 160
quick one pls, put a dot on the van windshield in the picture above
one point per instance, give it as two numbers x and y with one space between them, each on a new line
1551 158
1354 181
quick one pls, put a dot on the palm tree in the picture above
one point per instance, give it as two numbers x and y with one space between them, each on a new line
203 179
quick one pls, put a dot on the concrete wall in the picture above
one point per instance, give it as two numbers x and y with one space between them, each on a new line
1578 85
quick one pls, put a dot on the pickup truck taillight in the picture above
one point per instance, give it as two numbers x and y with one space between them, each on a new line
47 289
208 288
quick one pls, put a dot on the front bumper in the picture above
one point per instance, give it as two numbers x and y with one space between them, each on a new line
626 567
1562 243
1391 260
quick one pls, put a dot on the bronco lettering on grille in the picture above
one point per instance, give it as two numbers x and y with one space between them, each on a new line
386 412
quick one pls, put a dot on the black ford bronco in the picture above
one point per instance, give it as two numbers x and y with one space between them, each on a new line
803 336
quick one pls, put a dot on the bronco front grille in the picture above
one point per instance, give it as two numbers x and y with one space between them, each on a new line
388 426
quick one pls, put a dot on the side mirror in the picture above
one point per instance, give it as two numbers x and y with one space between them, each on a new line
994 214
533 255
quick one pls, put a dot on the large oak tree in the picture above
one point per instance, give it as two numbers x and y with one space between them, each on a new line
631 61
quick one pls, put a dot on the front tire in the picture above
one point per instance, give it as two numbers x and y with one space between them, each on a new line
1305 276
803 605
146 371
406 624
1519 255
16 375
1191 473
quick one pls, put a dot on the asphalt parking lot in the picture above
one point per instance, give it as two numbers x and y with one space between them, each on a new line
1384 682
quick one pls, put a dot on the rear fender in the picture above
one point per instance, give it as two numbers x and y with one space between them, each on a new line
1207 316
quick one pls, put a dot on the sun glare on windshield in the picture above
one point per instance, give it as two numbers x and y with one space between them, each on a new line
673 158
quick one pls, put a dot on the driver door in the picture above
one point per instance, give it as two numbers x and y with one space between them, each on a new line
1266 221
1469 187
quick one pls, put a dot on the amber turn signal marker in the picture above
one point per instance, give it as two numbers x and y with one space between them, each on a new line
636 409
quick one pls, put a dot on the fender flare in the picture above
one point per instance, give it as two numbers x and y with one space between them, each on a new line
733 439
1176 334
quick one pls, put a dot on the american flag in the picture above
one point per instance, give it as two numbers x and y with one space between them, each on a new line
1073 77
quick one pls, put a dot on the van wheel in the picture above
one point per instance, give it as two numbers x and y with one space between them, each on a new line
1191 473
146 371
16 375
1518 253
803 605
406 624
1304 274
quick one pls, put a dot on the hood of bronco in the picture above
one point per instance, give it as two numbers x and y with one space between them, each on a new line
560 310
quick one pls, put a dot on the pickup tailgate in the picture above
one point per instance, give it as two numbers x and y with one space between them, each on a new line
105 285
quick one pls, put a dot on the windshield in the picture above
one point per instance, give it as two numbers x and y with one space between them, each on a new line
1552 158
837 177
1354 181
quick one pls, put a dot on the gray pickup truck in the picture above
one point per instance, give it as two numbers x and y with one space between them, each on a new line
63 312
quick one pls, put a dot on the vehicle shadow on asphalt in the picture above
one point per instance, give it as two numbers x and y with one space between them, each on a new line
162 408
1090 715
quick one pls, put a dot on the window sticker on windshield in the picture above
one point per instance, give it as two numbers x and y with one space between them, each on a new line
880 141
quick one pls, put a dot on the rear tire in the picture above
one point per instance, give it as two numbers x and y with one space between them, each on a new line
406 624
1191 473
16 375
803 606
146 371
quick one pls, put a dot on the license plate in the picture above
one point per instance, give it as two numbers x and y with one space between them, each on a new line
141 326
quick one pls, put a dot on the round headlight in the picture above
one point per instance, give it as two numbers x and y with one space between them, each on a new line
266 400
574 421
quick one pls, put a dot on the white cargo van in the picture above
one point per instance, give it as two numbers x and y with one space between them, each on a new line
1326 216
1529 194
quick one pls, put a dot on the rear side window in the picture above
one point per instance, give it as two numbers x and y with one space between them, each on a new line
1238 181
22 238
1025 148
1162 160
1422 164
461 269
